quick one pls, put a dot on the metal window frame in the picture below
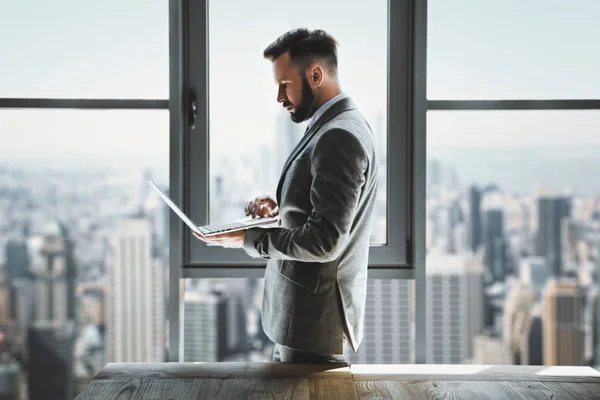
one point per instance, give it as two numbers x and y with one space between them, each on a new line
409 96
83 104
200 258
516 105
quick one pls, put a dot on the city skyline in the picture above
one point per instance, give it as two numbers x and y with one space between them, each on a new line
512 203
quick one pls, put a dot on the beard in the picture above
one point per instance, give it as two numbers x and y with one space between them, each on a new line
306 109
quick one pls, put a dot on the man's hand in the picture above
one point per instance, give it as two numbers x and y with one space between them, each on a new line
232 240
262 206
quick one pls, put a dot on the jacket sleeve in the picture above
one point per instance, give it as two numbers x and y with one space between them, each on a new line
338 167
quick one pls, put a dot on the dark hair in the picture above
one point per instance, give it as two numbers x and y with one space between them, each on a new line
306 47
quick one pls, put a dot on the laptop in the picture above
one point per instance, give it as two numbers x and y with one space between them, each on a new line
214 229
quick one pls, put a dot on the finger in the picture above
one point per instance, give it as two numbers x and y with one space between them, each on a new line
263 210
199 236
275 211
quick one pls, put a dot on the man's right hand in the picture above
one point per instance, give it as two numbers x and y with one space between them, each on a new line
262 206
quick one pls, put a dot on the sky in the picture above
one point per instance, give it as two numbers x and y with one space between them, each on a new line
119 49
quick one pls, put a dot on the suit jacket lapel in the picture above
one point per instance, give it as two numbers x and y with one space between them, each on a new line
343 105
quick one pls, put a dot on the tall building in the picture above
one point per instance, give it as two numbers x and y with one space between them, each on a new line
205 316
50 365
494 245
135 322
54 276
475 223
551 212
16 260
532 344
10 376
518 306
562 321
388 328
534 273
454 308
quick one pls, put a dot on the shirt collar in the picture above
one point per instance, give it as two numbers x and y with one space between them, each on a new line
324 108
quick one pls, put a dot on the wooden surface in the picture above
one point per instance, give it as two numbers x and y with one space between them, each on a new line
191 381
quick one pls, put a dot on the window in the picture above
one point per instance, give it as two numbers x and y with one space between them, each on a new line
227 314
84 123
541 51
248 152
511 154
248 136
68 49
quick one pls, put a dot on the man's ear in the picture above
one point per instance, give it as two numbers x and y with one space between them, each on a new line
316 76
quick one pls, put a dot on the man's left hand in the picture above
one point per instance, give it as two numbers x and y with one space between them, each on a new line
232 240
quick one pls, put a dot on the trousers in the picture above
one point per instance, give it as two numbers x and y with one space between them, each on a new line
286 354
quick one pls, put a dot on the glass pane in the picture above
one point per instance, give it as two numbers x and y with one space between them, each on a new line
223 322
70 48
532 49
251 135
513 221
389 324
83 242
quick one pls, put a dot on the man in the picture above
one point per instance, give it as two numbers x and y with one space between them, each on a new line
316 274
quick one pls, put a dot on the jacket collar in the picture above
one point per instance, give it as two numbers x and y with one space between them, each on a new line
343 105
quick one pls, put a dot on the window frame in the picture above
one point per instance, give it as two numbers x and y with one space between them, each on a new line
405 260
393 260
171 104
508 105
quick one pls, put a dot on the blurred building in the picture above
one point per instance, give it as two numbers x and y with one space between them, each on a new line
551 212
16 263
10 377
475 223
135 323
388 326
518 306
494 245
534 272
532 344
454 309
490 351
50 365
563 326
54 276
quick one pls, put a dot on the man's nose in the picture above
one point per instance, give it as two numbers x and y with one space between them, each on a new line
281 96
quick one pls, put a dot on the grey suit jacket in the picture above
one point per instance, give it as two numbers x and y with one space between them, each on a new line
316 275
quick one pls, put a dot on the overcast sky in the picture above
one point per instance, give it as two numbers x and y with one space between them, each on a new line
119 49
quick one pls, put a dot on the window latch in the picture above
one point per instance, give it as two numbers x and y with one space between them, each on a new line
193 109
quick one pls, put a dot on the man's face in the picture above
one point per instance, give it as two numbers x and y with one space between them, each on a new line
294 93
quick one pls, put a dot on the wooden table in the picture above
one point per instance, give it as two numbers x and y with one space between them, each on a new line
187 381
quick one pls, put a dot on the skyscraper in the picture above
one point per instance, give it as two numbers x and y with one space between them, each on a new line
551 212
54 275
454 311
562 322
474 218
16 260
135 296
205 337
494 242
388 324
50 365
518 306
532 343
